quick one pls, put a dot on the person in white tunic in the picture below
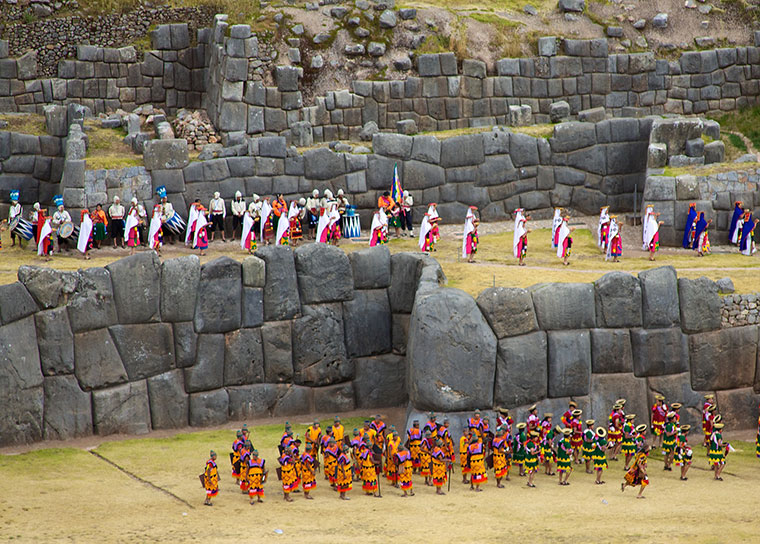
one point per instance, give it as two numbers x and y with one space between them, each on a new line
238 208
13 212
217 212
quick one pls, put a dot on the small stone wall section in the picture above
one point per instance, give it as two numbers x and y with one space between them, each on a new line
31 164
740 310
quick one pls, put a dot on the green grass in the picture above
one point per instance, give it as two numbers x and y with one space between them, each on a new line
746 121
496 20
737 142
709 169
107 149
28 123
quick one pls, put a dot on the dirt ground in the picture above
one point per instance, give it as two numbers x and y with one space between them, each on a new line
69 494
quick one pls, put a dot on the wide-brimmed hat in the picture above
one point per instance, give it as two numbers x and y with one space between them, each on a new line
710 396
522 425
601 432
548 414
502 410
719 425
567 432
577 412
685 427
620 402
590 421
572 404
630 417
641 428
676 405
558 428
711 408
659 397
718 419
533 407
670 415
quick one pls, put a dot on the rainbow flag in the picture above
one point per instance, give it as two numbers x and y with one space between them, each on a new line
397 194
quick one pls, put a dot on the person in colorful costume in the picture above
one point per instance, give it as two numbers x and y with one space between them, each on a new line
599 454
500 452
701 242
708 415
532 451
717 452
392 211
413 442
464 443
518 448
368 471
577 437
564 456
391 449
669 437
520 237
439 466
735 228
211 479
564 241
615 245
343 477
650 231
470 235
615 430
689 229
683 453
628 448
603 230
637 474
659 413
405 470
476 457
257 475
548 455
589 444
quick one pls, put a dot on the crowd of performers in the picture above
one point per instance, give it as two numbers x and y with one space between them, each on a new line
378 451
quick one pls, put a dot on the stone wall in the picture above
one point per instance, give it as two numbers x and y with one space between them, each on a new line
622 336
142 344
31 164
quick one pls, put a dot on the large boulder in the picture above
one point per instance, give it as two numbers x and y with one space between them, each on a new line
659 297
293 400
136 287
49 288
179 288
371 267
607 388
569 358
509 310
243 357
451 354
209 408
618 300
252 401
368 323
405 269
68 409
15 303
724 359
700 304
739 408
278 351
319 352
324 274
92 305
677 388
145 350
254 272
611 351
281 299
55 341
334 398
122 409
185 341
564 305
208 370
380 381
168 400
657 352
20 384
218 307
253 307
97 362
400 332
521 370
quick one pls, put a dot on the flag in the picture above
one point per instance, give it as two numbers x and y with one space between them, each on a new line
396 193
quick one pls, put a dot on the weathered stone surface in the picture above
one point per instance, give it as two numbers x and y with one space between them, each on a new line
293 400
569 361
659 297
278 351
145 350
400 332
219 308
97 362
252 401
564 306
254 272
618 300
67 410
380 381
319 352
677 388
738 408
324 273
15 302
208 370
55 341
453 372
404 273
20 384
281 300
700 304
168 400
607 388
47 286
179 280
92 305
371 267
508 310
368 323
209 408
243 357
165 154
334 398
724 359
521 370
253 307
611 351
136 287
121 409
185 340
657 352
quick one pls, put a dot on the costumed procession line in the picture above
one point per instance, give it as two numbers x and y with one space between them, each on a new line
141 480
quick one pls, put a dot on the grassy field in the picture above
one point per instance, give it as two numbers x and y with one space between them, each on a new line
69 494
494 264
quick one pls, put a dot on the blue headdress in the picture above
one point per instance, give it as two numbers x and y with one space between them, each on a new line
58 200
161 191
15 194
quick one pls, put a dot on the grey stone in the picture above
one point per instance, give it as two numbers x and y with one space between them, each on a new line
569 361
659 297
714 152
618 300
56 120
243 357
281 300
725 285
209 408
608 388
27 65
334 398
219 309
407 126
611 351
559 111
521 370
121 409
575 6
254 272
387 19
547 46
252 307
185 340
15 302
48 287
677 387
660 20
136 285
319 352
145 349
368 323
293 400
392 145
710 353
368 130
376 49
179 282
380 381
508 310
429 65
287 78
564 305
371 267
55 341
454 372
614 31
323 164
657 352
700 304
464 150
97 362
250 401
738 408
324 274
405 269
169 403
67 409
166 154
278 348
208 370
523 150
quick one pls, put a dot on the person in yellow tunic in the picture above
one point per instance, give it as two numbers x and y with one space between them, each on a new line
211 479
501 464
245 456
532 449
439 464
308 471
413 442
476 456
637 474
313 434
391 449
290 481
405 470
257 473
343 477
426 447
331 453
368 471
464 443
338 431
235 456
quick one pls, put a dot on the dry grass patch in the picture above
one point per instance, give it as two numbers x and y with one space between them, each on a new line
28 123
107 149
